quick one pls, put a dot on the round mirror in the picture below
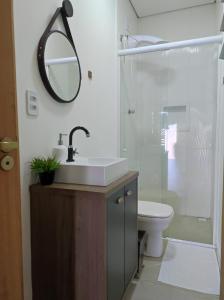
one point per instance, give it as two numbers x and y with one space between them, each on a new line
59 67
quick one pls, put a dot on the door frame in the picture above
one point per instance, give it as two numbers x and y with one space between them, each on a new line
11 276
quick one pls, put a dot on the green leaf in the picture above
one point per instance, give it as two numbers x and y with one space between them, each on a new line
42 165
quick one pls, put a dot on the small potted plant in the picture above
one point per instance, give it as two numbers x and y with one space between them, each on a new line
45 168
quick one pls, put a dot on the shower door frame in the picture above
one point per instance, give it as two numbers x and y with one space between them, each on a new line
220 185
219 153
219 156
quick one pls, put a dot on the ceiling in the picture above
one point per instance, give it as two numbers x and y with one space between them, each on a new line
145 8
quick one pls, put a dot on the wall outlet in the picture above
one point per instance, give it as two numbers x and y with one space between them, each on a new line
32 105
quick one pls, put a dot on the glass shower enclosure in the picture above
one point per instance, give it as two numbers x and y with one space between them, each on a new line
168 130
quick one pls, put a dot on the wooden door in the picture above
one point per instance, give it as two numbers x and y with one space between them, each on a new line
115 246
10 219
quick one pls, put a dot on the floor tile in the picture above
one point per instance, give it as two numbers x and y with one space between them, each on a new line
190 229
144 290
151 271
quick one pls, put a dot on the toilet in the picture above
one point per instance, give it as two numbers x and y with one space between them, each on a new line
154 218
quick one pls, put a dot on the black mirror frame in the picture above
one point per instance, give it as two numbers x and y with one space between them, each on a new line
65 11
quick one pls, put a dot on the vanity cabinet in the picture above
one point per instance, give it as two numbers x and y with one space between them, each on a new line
115 245
84 240
131 231
122 253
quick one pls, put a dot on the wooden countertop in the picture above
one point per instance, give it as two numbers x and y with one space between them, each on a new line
117 184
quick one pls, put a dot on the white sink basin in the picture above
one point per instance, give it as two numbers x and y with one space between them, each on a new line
92 171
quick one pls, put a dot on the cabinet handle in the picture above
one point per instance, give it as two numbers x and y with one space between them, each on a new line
120 200
129 193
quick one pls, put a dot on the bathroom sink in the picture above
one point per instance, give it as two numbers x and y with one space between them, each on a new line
92 171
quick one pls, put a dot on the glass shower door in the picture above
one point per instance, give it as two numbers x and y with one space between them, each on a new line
168 126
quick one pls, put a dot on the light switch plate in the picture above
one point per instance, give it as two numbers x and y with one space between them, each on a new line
32 105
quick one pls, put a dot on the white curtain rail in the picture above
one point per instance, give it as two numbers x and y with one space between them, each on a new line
217 39
60 61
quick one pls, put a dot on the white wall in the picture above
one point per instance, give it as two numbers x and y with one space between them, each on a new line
183 24
94 30
127 19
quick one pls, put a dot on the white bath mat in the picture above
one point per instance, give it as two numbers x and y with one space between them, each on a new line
191 267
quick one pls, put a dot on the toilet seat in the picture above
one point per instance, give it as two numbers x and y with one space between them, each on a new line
154 218
154 210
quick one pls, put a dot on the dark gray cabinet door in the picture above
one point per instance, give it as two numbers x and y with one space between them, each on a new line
131 231
115 245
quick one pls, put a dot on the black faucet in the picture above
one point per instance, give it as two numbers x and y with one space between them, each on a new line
70 147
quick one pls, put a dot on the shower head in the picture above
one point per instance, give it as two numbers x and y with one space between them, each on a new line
143 40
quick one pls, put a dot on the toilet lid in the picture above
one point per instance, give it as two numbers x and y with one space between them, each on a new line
154 209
